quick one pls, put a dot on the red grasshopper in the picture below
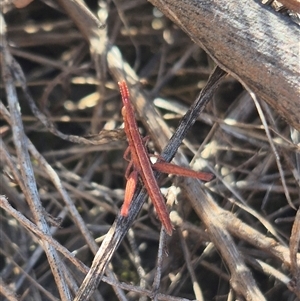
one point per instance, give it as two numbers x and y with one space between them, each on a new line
140 164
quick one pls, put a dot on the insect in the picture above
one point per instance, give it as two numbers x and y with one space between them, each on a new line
140 165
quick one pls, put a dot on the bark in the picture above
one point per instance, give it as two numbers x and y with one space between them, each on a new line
253 43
